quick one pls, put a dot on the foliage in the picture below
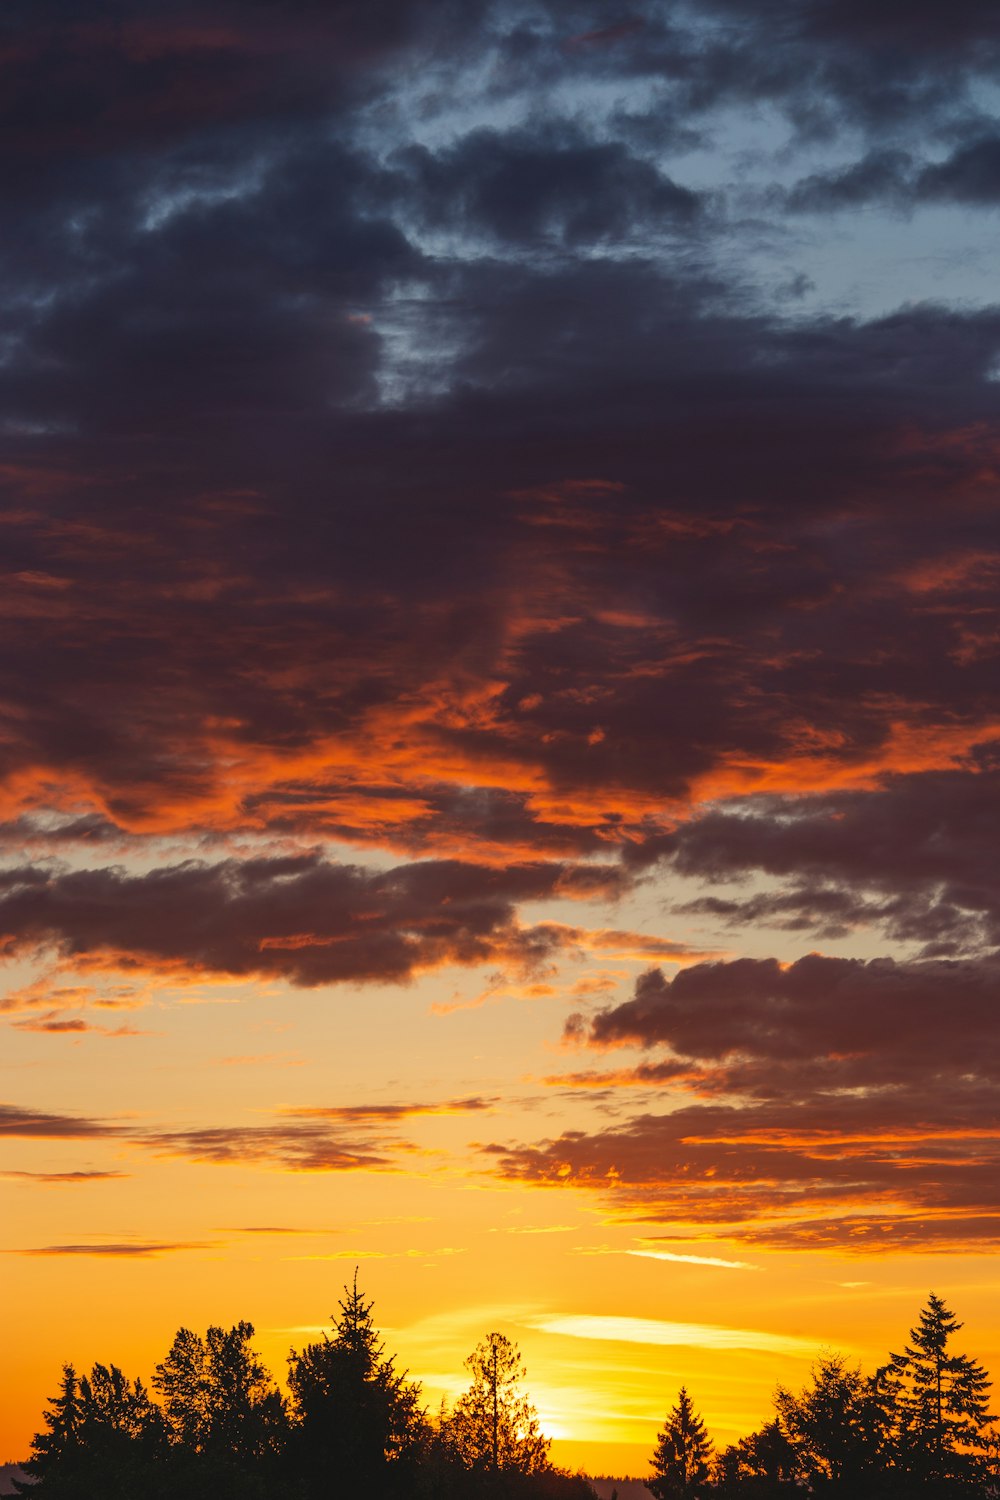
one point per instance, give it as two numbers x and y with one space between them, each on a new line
763 1465
354 1426
837 1429
218 1397
494 1428
104 1436
941 1401
683 1453
354 1415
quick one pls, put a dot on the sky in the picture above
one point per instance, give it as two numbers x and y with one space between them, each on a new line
500 740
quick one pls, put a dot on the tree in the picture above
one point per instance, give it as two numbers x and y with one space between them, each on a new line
838 1429
225 1418
105 1436
682 1455
941 1402
55 1452
762 1465
356 1417
493 1427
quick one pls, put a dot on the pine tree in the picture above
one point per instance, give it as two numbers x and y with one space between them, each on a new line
838 1429
494 1428
683 1453
941 1402
358 1421
105 1437
55 1453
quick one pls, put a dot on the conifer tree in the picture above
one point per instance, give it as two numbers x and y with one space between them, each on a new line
941 1401
55 1451
683 1453
358 1421
105 1437
494 1427
837 1428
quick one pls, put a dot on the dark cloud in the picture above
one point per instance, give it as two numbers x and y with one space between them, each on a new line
876 1174
913 857
321 1138
879 176
388 1112
863 1092
127 1250
419 466
291 1147
971 174
862 1022
521 186
62 1179
301 918
15 1121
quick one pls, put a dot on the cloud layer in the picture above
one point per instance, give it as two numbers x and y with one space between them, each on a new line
435 431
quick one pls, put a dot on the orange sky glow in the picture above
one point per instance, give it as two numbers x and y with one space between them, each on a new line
499 730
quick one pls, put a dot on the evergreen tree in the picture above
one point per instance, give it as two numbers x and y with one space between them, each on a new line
105 1437
683 1453
838 1430
942 1400
356 1417
763 1465
55 1452
494 1427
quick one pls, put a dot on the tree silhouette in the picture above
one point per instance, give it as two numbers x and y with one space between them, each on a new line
763 1465
355 1416
941 1401
105 1436
225 1418
682 1455
838 1429
56 1450
493 1426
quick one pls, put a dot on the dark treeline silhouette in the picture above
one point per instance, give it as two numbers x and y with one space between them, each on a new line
353 1425
216 1427
918 1427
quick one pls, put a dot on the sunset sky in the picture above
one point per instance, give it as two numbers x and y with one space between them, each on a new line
500 716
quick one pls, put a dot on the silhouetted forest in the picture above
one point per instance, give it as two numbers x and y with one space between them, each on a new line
216 1427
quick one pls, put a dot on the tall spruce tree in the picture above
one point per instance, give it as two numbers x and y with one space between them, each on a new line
682 1455
941 1403
358 1421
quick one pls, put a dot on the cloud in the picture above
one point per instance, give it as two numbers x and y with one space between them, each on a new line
294 1148
911 856
855 1173
676 1257
320 1138
525 186
61 1179
301 918
18 1122
127 1250
853 1022
682 1335
839 1103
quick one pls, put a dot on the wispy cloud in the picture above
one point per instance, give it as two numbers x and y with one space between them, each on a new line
695 1260
687 1335
119 1250
62 1179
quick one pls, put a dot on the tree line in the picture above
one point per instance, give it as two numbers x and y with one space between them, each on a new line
216 1427
920 1426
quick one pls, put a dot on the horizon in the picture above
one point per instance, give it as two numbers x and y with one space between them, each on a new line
500 768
